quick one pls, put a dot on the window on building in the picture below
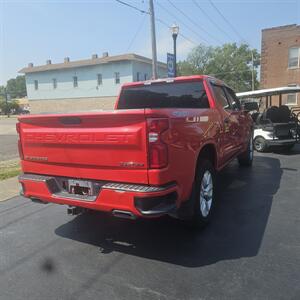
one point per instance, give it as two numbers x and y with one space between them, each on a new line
36 85
99 79
75 81
145 76
54 81
117 77
292 98
294 57
138 76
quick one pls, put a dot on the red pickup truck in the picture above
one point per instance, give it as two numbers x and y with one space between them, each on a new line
156 153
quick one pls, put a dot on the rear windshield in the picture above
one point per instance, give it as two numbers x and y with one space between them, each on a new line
164 95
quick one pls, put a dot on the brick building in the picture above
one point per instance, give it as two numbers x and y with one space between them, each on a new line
280 61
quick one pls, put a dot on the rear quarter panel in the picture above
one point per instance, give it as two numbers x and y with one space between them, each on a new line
189 130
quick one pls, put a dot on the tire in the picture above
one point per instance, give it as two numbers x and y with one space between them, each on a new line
204 195
260 144
246 158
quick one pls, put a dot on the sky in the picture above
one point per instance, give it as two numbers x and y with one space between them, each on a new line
34 31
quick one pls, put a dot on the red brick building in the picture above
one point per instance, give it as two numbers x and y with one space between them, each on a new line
280 61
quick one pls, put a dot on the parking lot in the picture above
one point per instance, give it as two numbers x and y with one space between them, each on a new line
250 251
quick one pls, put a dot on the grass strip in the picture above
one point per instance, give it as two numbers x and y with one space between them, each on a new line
9 168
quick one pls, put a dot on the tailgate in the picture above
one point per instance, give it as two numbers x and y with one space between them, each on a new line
110 140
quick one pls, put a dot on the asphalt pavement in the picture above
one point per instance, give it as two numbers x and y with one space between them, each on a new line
251 250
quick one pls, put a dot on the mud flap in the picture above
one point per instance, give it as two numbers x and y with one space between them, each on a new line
186 210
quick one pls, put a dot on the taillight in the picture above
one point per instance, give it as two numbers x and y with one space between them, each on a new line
158 150
20 150
19 142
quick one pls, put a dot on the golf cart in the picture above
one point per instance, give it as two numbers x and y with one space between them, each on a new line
275 126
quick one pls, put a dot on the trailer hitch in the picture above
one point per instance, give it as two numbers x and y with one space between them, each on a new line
74 210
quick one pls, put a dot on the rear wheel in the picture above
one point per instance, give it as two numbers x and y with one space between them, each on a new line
203 197
260 144
246 158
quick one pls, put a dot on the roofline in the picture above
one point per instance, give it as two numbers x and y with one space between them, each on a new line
281 27
89 62
269 92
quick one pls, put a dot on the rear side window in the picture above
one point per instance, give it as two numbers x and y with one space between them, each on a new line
233 100
164 95
220 96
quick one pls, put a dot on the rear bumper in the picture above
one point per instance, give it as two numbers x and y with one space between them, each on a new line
140 200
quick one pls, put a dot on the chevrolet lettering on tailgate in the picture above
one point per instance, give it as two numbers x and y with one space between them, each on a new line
71 138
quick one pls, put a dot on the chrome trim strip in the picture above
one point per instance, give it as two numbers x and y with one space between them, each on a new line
34 177
75 197
134 187
140 188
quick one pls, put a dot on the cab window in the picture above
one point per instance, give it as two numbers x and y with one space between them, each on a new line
164 95
232 99
220 96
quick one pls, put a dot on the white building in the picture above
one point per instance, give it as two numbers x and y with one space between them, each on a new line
84 84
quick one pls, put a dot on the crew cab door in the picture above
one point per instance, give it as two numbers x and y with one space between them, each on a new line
240 134
229 123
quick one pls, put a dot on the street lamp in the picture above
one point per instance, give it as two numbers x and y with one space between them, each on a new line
175 31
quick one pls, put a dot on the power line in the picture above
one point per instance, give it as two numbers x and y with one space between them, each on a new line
137 32
211 19
188 39
192 21
157 19
133 7
229 24
180 34
183 23
229 72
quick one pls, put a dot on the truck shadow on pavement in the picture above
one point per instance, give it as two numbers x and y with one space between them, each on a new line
237 229
285 152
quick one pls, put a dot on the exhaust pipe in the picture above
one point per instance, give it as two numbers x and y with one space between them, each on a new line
123 214
74 210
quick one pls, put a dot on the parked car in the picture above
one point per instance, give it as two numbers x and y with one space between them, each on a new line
157 153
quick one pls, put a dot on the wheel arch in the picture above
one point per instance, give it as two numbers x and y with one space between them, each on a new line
208 151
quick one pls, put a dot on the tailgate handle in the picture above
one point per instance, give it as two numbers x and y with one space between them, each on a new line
70 120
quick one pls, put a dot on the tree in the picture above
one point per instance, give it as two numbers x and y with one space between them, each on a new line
2 92
16 87
9 107
197 61
230 63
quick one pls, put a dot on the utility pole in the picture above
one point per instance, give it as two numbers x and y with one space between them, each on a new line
153 38
252 70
